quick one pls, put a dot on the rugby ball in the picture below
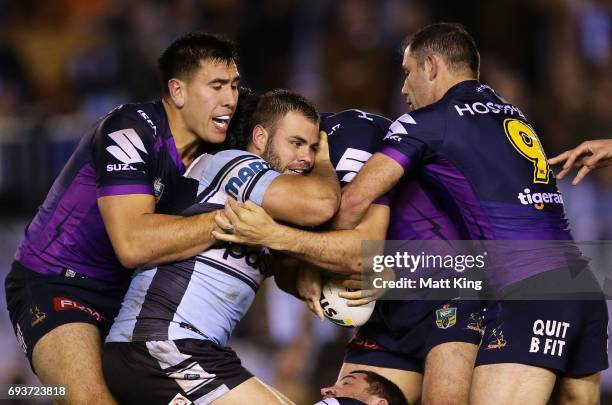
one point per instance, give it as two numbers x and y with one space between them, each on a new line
336 309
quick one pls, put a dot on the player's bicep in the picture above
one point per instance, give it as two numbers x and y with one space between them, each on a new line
120 214
292 198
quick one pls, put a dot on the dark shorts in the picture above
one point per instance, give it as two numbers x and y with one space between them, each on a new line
568 337
159 372
400 334
39 303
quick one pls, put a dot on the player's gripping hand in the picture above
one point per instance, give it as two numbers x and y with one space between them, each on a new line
309 286
360 295
585 157
247 224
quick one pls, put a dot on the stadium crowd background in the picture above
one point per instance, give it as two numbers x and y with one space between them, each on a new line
65 63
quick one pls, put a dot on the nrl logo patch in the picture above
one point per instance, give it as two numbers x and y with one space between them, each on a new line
158 188
446 317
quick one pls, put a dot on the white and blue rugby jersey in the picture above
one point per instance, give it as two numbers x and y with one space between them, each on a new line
205 296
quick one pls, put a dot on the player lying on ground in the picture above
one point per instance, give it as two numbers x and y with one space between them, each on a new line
398 339
362 387
168 340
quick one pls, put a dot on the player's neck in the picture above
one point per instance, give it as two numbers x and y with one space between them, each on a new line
183 138
451 81
253 149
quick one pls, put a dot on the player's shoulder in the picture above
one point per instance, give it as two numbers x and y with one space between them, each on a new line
208 166
353 117
147 119
356 129
234 156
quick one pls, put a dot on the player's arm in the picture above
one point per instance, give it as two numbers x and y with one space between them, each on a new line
410 140
297 278
585 157
284 269
122 151
376 178
306 200
337 250
140 237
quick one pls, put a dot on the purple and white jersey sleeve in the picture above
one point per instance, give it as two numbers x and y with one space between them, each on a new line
123 150
412 138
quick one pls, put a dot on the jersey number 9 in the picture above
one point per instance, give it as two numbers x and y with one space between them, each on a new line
524 139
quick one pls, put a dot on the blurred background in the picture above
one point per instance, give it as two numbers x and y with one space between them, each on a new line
65 63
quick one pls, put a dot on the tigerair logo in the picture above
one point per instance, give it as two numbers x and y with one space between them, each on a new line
539 200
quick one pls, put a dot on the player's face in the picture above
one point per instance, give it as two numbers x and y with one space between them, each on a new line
418 89
292 147
210 100
354 386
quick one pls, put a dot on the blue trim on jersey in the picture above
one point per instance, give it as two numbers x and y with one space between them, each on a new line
228 270
215 184
252 183
257 190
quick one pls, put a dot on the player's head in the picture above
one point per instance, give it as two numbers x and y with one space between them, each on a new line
200 79
435 58
284 130
368 387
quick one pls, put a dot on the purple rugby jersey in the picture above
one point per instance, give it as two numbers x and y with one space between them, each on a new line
354 135
479 158
130 151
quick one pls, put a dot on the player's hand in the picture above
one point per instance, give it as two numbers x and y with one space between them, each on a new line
247 223
360 295
323 149
220 229
585 157
309 286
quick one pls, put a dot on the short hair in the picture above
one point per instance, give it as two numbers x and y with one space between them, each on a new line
383 387
449 40
275 104
182 58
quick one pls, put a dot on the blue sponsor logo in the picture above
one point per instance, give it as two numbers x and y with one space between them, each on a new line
244 175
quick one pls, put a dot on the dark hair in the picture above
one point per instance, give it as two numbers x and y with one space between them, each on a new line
275 104
383 387
239 130
183 56
449 40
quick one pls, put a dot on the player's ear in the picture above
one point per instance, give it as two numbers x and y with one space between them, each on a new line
176 91
259 137
432 65
382 402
